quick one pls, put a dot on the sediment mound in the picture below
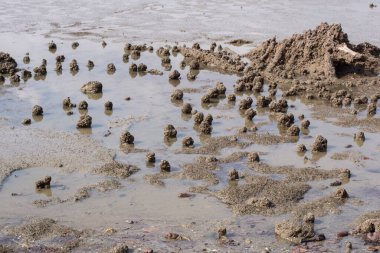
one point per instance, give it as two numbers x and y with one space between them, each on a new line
7 63
323 52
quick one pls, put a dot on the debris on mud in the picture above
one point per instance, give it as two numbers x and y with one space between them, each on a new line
92 87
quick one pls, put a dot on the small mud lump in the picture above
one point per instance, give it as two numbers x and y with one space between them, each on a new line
175 75
177 94
205 127
359 136
83 105
92 87
198 118
127 138
294 130
108 105
187 108
245 103
187 142
44 183
165 166
37 110
151 157
170 131
233 174
85 121
231 97
111 68
301 148
253 157
305 124
26 121
320 144
250 114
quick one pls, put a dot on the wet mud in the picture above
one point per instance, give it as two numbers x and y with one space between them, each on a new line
273 142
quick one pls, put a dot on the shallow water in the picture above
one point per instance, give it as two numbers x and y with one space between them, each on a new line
156 209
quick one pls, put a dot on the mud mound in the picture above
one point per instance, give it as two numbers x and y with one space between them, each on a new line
262 195
323 52
116 169
46 235
201 170
368 223
7 63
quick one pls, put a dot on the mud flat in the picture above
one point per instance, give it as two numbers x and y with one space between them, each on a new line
264 149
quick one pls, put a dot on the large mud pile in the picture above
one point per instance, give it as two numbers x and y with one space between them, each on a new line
321 53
